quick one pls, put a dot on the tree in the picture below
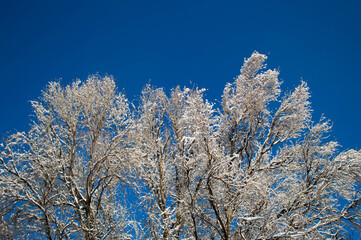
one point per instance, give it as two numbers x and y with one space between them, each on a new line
62 178
244 171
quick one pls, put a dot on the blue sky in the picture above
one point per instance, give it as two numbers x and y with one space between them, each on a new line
178 42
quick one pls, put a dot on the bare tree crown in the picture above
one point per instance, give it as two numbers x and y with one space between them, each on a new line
94 166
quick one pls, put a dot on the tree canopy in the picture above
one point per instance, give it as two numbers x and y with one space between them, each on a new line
95 166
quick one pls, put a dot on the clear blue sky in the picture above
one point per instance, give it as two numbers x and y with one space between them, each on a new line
178 42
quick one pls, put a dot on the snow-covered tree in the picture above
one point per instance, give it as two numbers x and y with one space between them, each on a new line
62 178
257 167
